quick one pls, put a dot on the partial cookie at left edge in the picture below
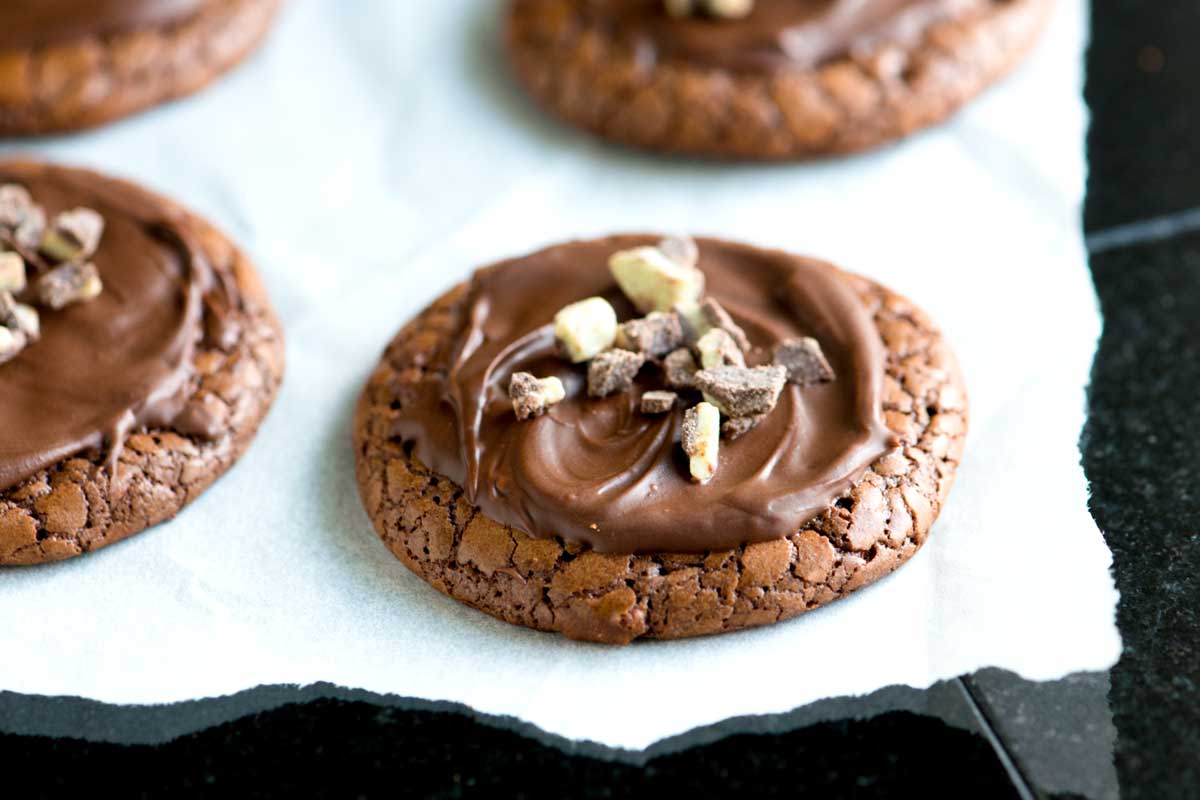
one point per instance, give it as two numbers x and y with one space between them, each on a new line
93 78
77 505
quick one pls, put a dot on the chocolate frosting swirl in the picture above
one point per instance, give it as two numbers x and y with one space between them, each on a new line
123 360
778 33
27 23
599 471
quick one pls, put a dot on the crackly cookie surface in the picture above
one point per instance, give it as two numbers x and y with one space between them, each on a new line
72 64
590 518
772 79
155 357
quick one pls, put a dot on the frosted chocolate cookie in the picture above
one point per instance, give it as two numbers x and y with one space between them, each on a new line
138 354
72 64
764 79
628 438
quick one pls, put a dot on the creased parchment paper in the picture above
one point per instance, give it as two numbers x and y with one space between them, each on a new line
371 156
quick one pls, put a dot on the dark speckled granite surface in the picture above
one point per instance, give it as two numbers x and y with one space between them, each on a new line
349 749
1142 453
1144 91
1136 730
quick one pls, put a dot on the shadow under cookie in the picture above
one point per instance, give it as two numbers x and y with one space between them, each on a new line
585 519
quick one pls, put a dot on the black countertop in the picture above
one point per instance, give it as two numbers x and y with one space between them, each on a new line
1135 730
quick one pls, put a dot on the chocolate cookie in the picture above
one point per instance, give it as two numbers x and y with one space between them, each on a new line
795 443
66 65
791 79
138 356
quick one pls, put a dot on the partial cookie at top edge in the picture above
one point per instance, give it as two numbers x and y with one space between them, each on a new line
77 505
425 520
581 75
84 83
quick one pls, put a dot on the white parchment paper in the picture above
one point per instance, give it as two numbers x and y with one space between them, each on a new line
375 153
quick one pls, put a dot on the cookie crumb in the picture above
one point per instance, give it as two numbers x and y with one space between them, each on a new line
701 438
804 361
658 402
742 391
531 396
16 204
613 371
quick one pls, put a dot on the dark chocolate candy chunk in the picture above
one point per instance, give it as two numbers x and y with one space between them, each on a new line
28 235
74 235
523 391
16 204
679 369
654 335
531 396
743 391
22 221
658 402
67 284
736 427
717 317
805 363
613 371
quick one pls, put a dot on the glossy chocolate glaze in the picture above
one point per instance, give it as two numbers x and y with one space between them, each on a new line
599 471
123 360
25 23
778 33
